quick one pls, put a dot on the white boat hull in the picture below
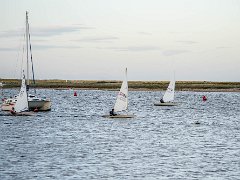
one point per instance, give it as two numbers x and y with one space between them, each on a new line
41 105
7 107
166 104
120 116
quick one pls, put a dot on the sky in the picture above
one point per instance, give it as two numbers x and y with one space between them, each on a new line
97 39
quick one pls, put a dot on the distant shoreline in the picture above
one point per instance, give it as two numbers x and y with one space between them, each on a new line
198 86
144 89
141 89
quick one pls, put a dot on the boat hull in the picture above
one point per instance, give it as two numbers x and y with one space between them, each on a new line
166 104
33 104
120 116
40 105
23 114
7 107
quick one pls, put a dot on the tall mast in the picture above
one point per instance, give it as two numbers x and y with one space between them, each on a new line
27 49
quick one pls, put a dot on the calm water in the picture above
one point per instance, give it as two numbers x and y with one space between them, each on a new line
73 141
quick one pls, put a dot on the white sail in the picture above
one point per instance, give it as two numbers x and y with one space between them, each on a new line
122 98
169 94
22 100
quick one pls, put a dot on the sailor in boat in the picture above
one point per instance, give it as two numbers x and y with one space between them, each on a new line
112 113
161 100
13 112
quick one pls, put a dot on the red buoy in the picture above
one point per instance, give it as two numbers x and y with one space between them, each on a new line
35 110
204 98
75 93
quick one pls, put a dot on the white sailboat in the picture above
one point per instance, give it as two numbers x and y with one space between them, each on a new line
21 105
121 102
168 97
22 99
42 104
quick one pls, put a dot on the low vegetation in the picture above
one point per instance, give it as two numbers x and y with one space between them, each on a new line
134 85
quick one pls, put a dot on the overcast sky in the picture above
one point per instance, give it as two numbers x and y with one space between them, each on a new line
97 39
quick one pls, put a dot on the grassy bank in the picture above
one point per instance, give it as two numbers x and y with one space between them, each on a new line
135 85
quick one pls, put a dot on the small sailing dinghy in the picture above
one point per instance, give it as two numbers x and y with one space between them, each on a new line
121 102
21 105
168 97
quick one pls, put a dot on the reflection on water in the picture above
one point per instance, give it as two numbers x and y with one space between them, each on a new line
74 141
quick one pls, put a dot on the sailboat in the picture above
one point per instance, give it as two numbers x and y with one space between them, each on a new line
121 102
21 105
41 104
168 97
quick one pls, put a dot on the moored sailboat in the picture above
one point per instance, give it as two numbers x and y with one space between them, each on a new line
21 106
41 104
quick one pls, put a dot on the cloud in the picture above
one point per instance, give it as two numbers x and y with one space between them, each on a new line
10 33
145 33
173 52
8 49
56 31
136 48
97 39
222 47
187 42
45 31
44 47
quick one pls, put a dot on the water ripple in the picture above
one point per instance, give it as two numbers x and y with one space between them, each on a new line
73 141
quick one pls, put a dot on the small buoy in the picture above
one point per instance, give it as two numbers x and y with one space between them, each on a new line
75 93
197 122
204 98
35 110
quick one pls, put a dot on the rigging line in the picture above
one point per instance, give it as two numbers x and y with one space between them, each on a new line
30 46
24 36
18 58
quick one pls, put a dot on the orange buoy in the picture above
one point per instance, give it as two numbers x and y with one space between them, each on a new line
204 98
75 93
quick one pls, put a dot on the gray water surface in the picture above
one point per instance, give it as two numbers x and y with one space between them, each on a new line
73 141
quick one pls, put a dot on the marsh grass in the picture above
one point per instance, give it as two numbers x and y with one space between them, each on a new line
135 85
